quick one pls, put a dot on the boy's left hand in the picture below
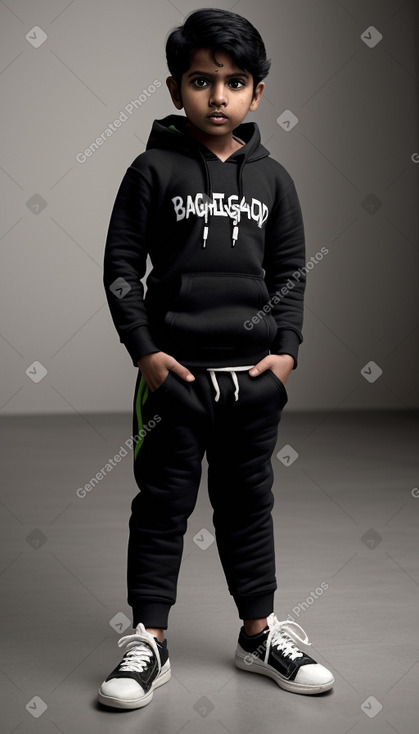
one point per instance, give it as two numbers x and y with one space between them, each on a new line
280 364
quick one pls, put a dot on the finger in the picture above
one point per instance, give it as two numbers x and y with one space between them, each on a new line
182 371
260 367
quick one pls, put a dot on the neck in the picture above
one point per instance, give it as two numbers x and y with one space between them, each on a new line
222 145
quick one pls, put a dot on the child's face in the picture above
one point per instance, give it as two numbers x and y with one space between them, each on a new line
207 88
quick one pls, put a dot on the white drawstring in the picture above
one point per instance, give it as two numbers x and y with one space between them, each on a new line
232 370
216 387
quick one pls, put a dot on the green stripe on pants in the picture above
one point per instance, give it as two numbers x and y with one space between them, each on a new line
142 396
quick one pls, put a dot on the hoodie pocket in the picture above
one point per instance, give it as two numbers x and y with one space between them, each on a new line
221 311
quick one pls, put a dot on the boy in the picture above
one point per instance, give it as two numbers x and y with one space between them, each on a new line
214 339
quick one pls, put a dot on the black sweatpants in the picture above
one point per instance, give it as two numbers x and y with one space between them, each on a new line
176 425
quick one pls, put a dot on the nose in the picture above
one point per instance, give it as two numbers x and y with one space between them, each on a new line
218 95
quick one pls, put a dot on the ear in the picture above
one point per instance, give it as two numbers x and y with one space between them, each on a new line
175 94
257 96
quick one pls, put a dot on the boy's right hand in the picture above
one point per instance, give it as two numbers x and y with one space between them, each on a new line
155 368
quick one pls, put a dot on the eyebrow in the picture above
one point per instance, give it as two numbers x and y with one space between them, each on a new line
228 76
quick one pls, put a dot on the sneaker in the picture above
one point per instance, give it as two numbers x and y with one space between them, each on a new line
272 652
144 667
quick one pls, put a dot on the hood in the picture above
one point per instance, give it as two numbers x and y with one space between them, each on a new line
167 134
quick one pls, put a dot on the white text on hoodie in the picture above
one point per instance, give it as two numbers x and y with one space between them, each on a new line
201 205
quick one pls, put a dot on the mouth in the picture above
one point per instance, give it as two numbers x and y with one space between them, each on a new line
217 116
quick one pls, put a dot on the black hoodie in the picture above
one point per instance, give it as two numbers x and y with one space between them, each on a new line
227 250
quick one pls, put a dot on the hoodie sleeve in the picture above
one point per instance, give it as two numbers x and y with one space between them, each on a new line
125 263
285 274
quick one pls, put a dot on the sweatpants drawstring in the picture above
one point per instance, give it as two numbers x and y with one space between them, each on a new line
232 370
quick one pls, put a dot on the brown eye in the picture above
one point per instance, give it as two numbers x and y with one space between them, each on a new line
239 83
200 82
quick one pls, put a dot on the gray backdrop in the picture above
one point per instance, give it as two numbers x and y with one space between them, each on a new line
345 72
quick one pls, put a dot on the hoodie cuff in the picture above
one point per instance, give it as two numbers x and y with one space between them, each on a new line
139 342
287 341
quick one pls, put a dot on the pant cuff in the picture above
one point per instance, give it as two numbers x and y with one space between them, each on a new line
255 607
151 613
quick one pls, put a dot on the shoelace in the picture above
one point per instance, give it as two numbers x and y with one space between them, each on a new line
282 636
140 648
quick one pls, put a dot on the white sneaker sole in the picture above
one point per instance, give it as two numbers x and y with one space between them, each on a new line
136 703
254 665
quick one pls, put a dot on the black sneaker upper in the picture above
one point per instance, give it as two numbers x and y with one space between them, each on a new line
255 645
146 677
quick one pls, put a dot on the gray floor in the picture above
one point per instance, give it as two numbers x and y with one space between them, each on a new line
345 518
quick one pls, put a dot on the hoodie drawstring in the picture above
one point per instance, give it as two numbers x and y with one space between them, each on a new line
208 191
232 370
235 234
208 201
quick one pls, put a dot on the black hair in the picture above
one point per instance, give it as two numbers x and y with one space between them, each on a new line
214 29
